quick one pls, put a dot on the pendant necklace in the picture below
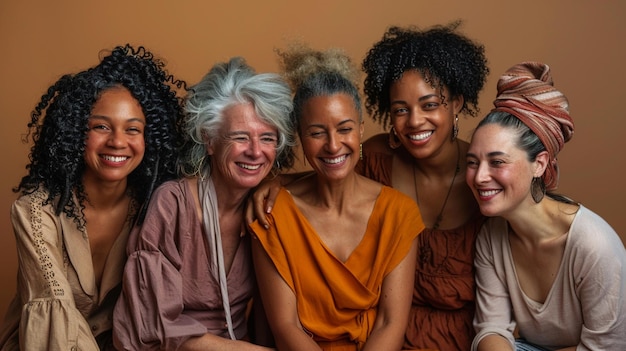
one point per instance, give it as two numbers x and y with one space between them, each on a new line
445 202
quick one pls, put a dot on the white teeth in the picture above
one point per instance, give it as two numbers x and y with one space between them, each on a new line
114 158
488 192
248 166
334 160
421 136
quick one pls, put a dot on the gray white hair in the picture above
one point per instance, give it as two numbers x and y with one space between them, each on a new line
232 83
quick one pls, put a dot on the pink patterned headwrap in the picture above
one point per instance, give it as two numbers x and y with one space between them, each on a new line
527 92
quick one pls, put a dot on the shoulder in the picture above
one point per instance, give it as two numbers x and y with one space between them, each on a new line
492 232
592 234
33 204
396 204
174 189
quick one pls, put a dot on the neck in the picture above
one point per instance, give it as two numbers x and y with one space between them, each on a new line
445 162
229 199
102 195
545 220
336 193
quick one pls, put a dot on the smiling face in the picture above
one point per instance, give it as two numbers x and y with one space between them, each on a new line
330 132
422 121
499 172
114 145
244 150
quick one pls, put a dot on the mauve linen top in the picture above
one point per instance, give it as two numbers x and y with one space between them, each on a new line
169 293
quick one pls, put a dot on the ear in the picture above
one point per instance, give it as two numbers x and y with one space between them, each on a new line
208 143
361 129
457 103
541 163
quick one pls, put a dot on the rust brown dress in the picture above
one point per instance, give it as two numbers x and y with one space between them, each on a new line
443 297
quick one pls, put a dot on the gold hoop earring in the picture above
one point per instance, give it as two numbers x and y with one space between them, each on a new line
537 189
455 127
394 141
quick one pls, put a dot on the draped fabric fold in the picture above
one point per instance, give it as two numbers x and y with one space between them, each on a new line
527 92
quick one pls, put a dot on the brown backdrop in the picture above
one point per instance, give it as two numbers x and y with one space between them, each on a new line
583 42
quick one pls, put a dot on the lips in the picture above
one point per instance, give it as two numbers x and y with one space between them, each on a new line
488 193
420 136
248 166
114 159
334 160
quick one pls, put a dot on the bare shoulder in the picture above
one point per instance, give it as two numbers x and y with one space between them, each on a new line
378 143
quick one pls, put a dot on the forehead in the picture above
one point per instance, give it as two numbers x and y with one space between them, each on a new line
413 81
493 137
329 108
243 118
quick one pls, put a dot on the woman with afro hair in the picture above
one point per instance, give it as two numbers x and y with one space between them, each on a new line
104 138
418 82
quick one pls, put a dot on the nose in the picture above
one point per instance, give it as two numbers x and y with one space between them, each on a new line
416 117
117 139
333 144
254 148
482 173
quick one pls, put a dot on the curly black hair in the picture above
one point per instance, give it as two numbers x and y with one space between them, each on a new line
58 128
443 56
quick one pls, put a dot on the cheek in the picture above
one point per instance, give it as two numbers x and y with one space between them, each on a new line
138 144
270 152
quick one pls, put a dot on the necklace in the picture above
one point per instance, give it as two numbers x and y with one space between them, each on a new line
445 202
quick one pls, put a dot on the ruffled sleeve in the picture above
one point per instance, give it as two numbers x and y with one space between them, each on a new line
149 314
44 310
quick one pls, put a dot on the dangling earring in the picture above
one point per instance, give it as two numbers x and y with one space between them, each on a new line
537 189
360 151
455 127
394 141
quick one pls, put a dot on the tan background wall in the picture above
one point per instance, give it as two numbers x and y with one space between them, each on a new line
583 42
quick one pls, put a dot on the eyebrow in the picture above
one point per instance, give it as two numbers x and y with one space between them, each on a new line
107 118
420 99
239 132
345 121
490 154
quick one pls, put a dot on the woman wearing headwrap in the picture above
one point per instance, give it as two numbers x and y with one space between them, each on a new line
545 265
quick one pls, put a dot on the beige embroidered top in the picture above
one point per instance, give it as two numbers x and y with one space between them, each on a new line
58 305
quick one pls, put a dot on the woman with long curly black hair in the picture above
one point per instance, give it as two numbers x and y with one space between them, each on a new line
104 138
418 82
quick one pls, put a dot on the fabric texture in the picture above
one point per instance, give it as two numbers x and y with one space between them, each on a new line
59 305
170 293
443 298
527 91
586 304
337 301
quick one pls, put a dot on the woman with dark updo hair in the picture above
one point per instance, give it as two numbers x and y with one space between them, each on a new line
104 138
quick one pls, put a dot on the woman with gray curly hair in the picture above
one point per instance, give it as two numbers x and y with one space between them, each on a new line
189 277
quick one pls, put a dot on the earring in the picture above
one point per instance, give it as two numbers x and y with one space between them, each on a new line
537 189
455 127
394 142
360 151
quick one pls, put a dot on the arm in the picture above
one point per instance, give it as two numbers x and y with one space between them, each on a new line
599 269
151 311
280 306
394 305
49 317
494 342
262 200
493 320
210 342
